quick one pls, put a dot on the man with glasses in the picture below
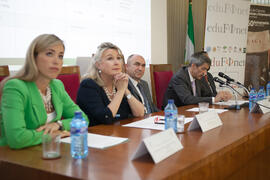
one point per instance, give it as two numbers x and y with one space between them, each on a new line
186 86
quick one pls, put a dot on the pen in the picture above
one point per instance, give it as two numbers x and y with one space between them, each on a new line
159 123
157 120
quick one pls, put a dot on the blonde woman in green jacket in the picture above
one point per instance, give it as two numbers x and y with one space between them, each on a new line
33 101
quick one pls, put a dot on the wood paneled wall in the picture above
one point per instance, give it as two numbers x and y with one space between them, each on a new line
177 14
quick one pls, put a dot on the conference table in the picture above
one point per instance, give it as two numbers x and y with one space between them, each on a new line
239 149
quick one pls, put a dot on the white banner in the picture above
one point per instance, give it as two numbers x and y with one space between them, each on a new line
226 36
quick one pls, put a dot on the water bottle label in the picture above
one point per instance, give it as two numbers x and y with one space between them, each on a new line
171 119
74 130
84 130
168 114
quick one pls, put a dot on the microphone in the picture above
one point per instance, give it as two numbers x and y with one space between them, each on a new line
219 80
232 81
221 74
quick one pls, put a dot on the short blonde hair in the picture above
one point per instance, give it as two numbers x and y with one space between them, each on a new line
29 71
92 71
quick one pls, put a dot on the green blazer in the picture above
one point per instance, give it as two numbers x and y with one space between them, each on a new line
23 111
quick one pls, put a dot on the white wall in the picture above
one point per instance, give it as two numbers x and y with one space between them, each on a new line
158 35
158 31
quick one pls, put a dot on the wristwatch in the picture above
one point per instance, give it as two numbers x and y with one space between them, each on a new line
60 123
129 96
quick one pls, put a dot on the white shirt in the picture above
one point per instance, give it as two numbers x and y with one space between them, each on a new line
192 79
190 76
50 116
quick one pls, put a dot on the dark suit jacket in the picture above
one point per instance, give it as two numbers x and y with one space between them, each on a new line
135 93
180 89
93 100
208 85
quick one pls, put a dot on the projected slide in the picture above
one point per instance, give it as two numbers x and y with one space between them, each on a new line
82 24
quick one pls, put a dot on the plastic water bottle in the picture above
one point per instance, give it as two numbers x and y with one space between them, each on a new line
252 98
261 94
79 133
268 89
171 114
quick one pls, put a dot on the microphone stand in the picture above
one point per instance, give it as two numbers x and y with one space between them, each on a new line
246 90
236 106
241 86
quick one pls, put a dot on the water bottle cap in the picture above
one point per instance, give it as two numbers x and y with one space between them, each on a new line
78 113
170 101
261 87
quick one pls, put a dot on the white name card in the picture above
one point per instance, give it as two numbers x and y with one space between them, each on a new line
205 121
262 106
159 146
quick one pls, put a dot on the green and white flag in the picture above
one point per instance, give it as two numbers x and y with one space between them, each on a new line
190 45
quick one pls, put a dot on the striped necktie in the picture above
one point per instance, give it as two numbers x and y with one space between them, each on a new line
146 103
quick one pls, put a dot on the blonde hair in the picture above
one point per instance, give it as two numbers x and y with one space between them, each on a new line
29 71
92 71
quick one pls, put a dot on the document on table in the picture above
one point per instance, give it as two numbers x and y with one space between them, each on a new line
231 102
149 123
210 109
100 141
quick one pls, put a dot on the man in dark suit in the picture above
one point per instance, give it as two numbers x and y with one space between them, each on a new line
186 86
135 68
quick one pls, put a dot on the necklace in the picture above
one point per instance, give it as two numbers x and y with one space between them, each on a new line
47 99
110 95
